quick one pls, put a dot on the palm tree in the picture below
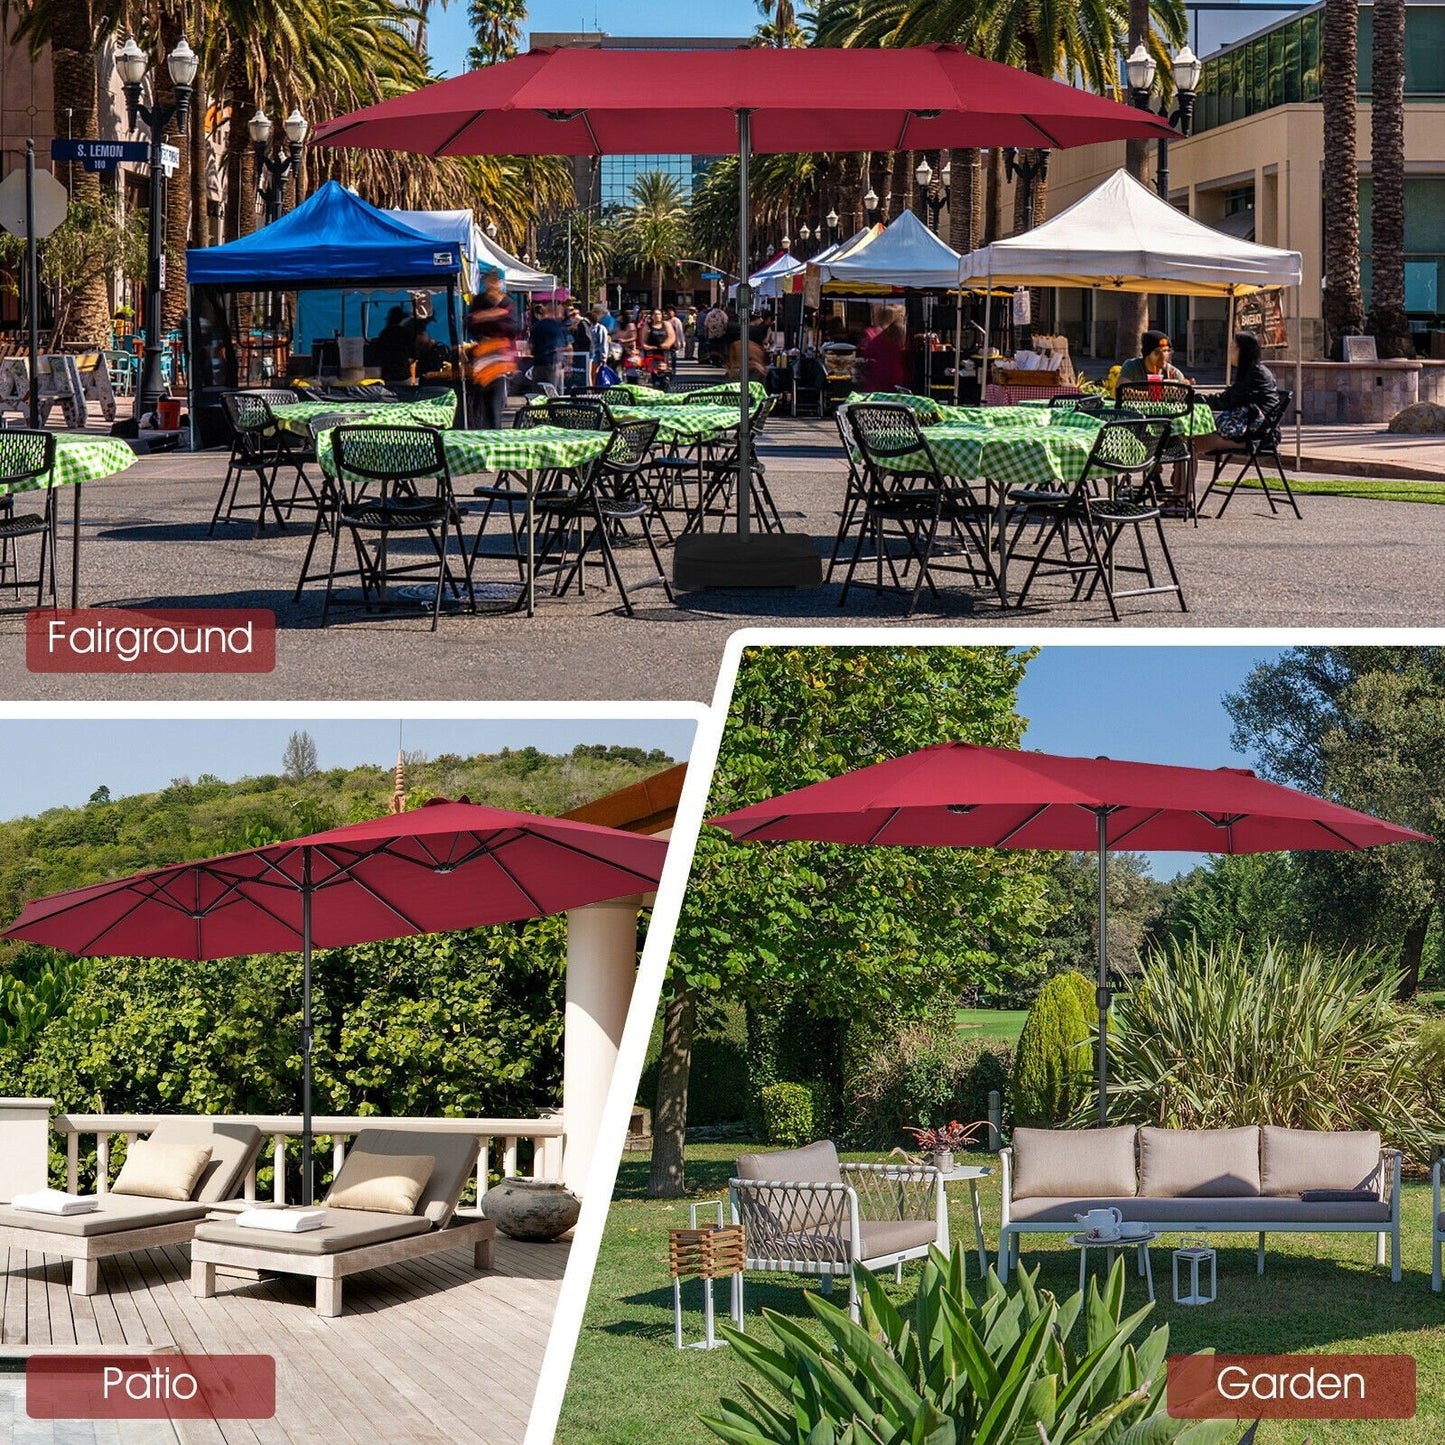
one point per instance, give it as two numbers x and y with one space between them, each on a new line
1387 181
1344 310
497 25
780 25
653 231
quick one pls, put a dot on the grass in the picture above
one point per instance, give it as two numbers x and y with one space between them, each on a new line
1319 1293
998 1026
1362 487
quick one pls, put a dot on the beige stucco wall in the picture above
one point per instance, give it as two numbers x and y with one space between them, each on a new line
1282 152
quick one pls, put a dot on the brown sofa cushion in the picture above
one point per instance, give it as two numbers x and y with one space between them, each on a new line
1074 1163
1198 1163
893 1236
815 1163
344 1229
1294 1160
115 1213
454 1157
1200 1213
789 1211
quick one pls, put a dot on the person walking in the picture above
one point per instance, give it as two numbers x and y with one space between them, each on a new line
551 349
676 339
715 329
690 331
600 345
492 332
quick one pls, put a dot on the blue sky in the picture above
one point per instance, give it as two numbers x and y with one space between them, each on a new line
61 763
1146 704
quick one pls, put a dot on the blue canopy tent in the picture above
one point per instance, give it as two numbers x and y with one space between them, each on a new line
332 239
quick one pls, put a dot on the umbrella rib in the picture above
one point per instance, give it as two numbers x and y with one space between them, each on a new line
878 831
1053 142
518 885
1020 826
1134 827
457 134
649 879
1335 833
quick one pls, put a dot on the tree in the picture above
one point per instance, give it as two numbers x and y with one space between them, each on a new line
1387 180
1136 903
1242 900
1344 311
497 25
298 762
1364 726
843 932
653 229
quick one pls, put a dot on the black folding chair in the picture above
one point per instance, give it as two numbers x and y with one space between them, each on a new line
715 498
26 457
393 481
1261 441
612 494
1113 495
907 495
257 448
328 494
1089 405
1174 401
855 486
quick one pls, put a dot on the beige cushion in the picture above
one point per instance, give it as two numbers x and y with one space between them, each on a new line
1171 1214
454 1157
796 1211
350 1229
1074 1163
1198 1163
813 1164
1296 1159
161 1171
117 1213
383 1183
233 1147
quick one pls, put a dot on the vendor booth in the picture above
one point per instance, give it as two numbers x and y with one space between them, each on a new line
332 241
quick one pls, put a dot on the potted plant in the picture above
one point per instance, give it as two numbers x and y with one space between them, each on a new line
938 1141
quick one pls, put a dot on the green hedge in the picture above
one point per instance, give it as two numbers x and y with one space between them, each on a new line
794 1114
1051 1069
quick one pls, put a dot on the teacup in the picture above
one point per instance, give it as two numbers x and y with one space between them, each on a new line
1133 1228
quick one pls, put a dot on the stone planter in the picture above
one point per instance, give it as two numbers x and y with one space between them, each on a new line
532 1209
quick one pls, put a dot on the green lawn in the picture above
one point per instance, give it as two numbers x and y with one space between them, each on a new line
1370 490
1319 1293
1001 1026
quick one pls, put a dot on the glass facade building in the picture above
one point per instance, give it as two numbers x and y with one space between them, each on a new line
616 175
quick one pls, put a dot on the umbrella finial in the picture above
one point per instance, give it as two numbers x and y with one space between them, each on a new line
398 796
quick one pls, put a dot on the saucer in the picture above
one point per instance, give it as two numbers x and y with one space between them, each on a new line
1113 1237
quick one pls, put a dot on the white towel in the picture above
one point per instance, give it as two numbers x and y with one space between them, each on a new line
56 1201
284 1221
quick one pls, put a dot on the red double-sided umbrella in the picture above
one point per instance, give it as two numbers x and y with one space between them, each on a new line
961 795
444 866
754 99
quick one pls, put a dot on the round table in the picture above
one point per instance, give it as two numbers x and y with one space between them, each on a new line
439 412
971 1174
688 425
1141 1242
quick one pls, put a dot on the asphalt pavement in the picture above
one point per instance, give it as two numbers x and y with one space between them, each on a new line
1348 563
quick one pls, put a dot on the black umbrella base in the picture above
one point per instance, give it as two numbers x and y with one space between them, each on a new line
766 559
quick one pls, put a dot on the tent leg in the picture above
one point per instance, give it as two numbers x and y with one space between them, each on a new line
745 312
1229 342
307 1182
457 350
957 341
987 333
1299 364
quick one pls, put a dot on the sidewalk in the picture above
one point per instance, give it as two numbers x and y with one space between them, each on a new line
1367 451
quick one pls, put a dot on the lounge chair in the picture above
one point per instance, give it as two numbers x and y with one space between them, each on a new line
356 1239
124 1223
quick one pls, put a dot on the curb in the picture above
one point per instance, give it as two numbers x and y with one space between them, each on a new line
1363 467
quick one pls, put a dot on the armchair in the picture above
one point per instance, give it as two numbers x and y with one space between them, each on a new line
803 1212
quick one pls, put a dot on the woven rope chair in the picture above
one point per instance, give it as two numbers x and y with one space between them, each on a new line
27 456
392 481
803 1212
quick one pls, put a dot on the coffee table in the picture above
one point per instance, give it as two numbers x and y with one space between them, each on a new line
1083 1243
971 1173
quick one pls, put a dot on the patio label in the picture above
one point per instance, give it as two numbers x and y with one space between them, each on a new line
169 639
150 1387
1291 1387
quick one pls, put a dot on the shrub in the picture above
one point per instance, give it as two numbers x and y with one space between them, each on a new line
1209 1038
1007 1367
920 1076
1051 1067
794 1114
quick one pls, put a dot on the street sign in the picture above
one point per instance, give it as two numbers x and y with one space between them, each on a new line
712 275
100 155
51 201
170 159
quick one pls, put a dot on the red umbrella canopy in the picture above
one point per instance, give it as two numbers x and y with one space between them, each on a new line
585 101
964 796
444 866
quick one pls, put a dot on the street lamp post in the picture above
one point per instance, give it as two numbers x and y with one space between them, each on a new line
832 220
272 170
1141 71
935 191
1027 171
182 63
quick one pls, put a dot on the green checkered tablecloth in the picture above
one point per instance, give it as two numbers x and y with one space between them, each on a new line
1200 422
630 393
80 459
1018 456
724 392
440 411
1005 416
532 449
684 424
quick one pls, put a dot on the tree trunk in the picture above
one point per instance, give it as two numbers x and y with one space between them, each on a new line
1134 309
962 200
240 219
885 203
669 1116
1387 182
72 61
200 180
1412 949
177 192
993 203
1344 312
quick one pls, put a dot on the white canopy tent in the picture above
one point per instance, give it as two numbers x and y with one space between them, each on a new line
516 274
904 253
1123 237
772 280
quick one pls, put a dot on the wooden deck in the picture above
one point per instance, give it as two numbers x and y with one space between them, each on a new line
426 1351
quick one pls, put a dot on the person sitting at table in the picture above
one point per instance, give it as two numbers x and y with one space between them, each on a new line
1155 359
1242 403
886 352
393 348
757 354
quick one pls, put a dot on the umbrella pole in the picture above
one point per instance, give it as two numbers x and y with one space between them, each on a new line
1103 993
307 1183
745 298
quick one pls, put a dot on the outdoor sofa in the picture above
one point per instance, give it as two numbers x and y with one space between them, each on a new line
402 1220
127 1221
1221 1181
803 1212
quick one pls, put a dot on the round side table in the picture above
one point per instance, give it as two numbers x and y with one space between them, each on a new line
1139 1242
